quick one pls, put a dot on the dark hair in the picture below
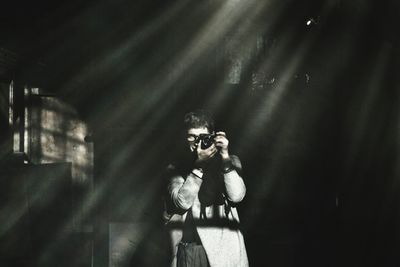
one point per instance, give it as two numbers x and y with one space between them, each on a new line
198 119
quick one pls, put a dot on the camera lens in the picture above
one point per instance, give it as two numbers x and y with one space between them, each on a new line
207 141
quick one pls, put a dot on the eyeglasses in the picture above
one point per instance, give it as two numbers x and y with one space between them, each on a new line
195 138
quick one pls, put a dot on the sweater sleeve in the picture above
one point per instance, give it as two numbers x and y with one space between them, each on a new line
234 184
184 191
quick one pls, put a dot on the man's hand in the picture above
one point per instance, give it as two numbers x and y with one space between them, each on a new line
203 155
222 143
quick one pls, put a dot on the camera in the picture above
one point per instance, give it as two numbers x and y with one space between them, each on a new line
206 140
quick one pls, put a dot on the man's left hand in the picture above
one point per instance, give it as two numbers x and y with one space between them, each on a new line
222 143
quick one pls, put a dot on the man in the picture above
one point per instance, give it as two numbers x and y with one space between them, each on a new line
203 190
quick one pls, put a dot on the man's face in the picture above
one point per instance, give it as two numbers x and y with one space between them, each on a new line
192 137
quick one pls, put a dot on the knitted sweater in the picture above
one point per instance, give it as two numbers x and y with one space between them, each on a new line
216 218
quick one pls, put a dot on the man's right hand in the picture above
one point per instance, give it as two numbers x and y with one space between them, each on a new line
203 155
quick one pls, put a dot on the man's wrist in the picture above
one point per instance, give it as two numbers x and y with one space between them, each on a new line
199 164
225 156
227 166
198 172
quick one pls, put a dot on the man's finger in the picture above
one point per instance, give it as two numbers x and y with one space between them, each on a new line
220 138
198 148
221 133
213 153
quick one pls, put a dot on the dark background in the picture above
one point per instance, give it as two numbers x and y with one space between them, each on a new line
318 133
